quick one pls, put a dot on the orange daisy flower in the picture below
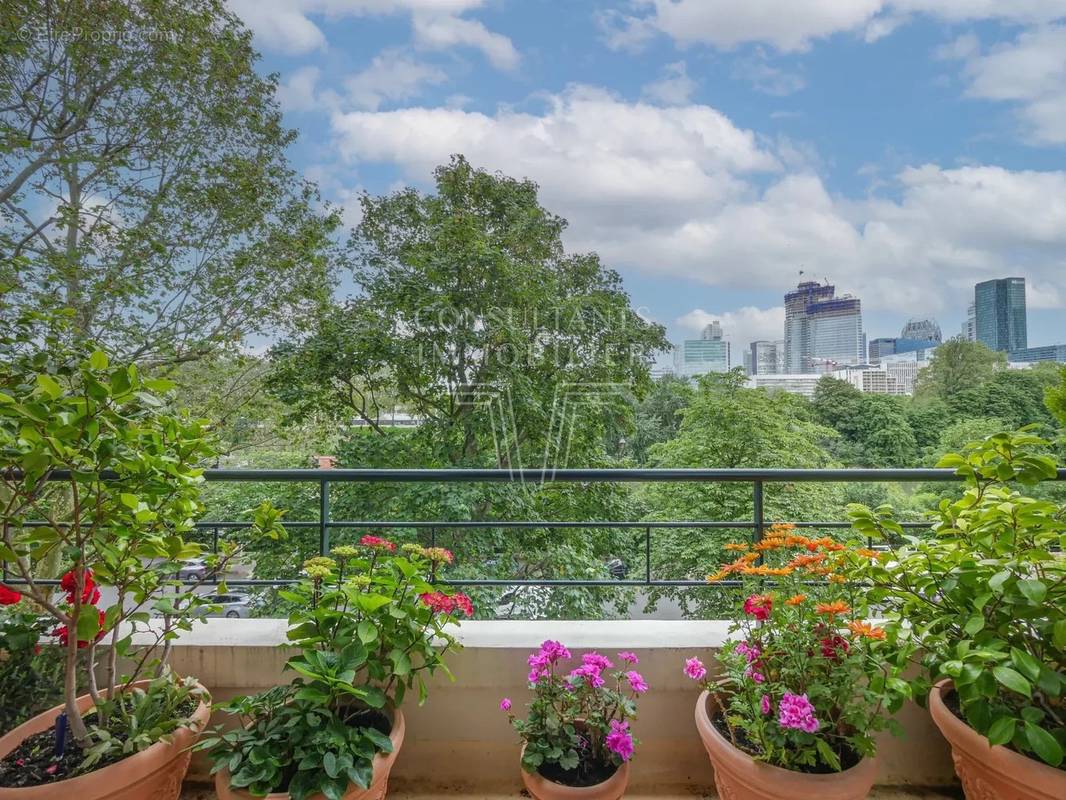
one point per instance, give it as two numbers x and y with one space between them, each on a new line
836 579
738 547
866 630
795 600
833 609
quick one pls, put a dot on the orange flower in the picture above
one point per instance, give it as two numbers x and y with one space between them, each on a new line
719 575
738 547
866 552
866 630
806 561
769 543
795 600
833 609
837 579
794 540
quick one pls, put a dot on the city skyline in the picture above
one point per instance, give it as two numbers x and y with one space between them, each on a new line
710 162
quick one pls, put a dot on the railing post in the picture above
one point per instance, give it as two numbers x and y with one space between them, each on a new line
760 518
323 517
214 549
647 555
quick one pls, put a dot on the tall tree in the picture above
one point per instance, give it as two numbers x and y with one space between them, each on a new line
143 177
957 365
1055 398
474 317
730 426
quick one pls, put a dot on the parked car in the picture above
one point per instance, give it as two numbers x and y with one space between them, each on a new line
193 569
229 605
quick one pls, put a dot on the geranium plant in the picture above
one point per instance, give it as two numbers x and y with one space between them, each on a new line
31 676
804 682
985 595
98 474
577 731
369 625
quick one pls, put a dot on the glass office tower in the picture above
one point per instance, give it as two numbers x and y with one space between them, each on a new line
999 314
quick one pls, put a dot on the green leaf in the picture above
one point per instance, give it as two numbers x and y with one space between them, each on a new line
98 360
974 624
329 764
827 754
48 385
1002 730
1058 635
368 631
1025 663
1044 744
1012 680
1034 590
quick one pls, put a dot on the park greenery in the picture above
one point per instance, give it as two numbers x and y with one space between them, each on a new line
147 198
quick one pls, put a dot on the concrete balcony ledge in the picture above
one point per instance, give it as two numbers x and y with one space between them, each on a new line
460 744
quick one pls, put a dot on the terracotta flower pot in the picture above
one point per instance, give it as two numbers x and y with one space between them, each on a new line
152 774
540 788
740 777
379 785
992 772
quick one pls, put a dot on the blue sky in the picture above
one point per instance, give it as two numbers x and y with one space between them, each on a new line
710 149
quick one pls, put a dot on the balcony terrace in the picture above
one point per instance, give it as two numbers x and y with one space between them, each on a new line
458 743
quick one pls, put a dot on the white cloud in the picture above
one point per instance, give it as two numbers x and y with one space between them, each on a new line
741 327
298 92
1030 71
443 31
674 88
392 75
792 25
683 191
285 25
765 77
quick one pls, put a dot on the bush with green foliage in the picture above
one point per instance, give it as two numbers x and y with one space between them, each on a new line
369 622
984 597
31 676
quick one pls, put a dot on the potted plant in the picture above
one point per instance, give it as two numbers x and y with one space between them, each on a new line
576 741
99 476
985 599
31 676
804 684
368 624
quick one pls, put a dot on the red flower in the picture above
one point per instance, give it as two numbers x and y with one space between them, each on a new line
64 637
377 543
759 606
8 597
834 646
442 603
90 595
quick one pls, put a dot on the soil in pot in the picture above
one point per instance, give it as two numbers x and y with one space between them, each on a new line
363 718
588 772
848 758
33 762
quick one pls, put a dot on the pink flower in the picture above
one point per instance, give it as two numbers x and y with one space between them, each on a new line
596 660
694 669
758 606
51 770
377 543
589 673
749 651
505 704
755 675
796 712
629 658
835 646
541 662
765 705
553 651
636 682
442 603
619 741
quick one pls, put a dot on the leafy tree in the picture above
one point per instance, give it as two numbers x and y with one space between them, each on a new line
928 417
143 177
1055 398
874 428
730 426
510 352
957 365
1014 396
658 415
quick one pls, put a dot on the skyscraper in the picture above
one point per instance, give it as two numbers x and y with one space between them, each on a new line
969 328
822 331
765 357
999 307
926 330
709 353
